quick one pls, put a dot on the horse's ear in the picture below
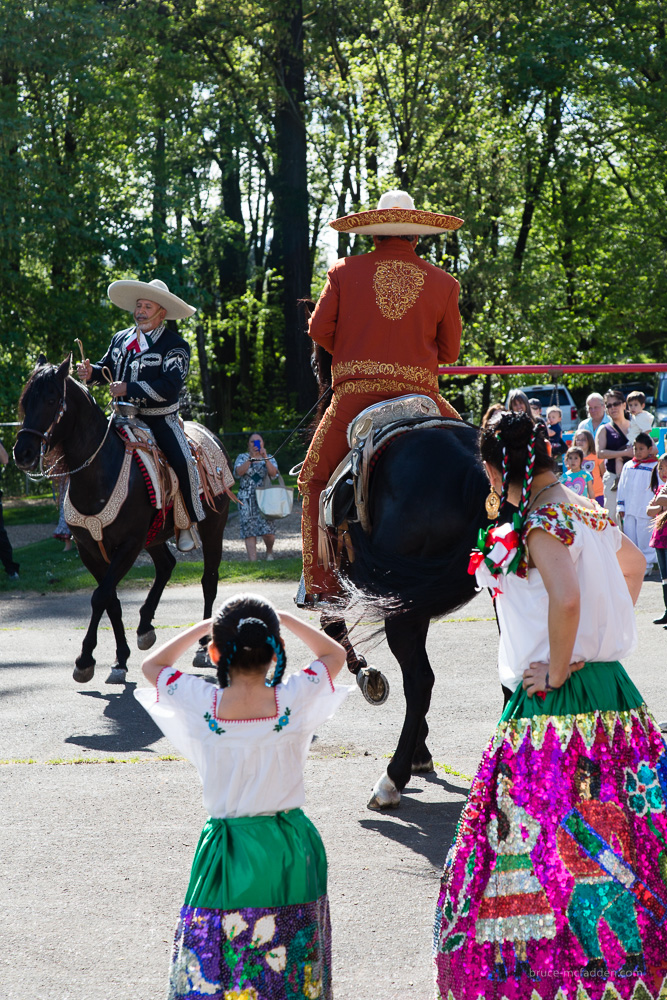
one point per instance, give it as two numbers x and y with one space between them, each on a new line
63 370
41 361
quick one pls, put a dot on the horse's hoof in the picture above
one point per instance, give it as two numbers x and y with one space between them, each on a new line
374 685
117 676
385 794
146 639
85 675
201 659
423 768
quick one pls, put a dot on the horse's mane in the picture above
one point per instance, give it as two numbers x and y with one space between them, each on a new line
48 371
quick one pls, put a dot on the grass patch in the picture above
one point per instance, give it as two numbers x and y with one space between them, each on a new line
450 770
44 566
42 511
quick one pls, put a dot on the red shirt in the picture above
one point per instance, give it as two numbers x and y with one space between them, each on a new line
388 314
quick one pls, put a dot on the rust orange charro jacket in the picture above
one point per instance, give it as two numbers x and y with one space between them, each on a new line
388 318
388 314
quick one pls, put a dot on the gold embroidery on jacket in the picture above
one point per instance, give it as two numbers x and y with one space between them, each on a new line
370 369
397 286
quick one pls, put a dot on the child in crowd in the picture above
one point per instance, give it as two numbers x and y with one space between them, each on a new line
256 915
555 430
591 463
658 509
640 420
577 478
634 495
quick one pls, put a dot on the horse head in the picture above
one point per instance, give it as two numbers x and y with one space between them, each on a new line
42 405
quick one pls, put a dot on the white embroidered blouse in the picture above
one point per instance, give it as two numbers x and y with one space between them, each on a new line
247 767
607 629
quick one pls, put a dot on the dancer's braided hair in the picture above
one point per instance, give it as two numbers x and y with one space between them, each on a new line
517 447
246 633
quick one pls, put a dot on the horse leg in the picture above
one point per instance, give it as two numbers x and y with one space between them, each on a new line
212 530
164 563
373 684
406 635
119 670
102 597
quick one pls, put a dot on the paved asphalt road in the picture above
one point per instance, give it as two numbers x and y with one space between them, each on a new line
95 856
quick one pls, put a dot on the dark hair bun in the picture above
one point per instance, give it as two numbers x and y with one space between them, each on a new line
252 632
514 429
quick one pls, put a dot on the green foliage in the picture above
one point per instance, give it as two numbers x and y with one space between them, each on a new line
156 139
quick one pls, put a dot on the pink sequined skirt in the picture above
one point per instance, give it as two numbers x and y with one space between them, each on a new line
556 885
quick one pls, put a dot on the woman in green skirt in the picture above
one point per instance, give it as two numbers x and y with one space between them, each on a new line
255 924
556 885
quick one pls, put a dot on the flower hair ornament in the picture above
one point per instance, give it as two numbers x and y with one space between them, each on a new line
499 547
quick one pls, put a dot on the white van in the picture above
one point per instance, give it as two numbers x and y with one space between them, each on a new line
547 397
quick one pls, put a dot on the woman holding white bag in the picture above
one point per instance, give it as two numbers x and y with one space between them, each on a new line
251 468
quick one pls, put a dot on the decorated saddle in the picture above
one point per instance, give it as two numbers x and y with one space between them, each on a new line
215 477
346 496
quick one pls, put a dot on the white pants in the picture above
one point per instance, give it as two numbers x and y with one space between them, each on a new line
639 530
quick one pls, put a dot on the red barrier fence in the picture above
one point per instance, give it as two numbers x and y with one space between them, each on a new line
554 370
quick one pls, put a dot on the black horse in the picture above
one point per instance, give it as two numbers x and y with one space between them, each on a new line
426 507
61 417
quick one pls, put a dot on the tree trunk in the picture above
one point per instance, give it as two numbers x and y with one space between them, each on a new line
290 193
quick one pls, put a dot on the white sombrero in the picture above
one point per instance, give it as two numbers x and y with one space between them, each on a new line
396 215
125 294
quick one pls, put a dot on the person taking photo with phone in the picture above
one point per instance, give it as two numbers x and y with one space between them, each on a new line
250 468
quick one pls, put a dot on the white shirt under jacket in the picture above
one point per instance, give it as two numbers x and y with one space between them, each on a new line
247 767
607 629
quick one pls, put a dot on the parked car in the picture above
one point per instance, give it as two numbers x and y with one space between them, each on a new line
627 387
547 397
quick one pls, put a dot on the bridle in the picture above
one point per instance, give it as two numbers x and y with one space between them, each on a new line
46 444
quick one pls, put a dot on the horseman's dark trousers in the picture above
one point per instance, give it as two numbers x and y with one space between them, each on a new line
171 438
329 447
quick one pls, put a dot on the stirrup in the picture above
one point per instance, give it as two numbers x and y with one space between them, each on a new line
186 542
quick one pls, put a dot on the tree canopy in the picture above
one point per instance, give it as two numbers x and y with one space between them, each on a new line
210 142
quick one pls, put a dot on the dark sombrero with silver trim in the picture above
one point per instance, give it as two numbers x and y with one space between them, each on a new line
125 293
396 215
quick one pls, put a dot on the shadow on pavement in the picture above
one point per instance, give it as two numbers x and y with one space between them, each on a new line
133 728
426 828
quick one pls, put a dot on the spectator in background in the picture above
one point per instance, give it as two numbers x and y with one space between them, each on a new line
634 495
250 468
640 420
536 411
576 478
6 554
591 463
658 509
62 532
555 430
612 444
596 414
517 402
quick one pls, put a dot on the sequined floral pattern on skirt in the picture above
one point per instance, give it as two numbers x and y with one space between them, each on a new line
556 885
253 954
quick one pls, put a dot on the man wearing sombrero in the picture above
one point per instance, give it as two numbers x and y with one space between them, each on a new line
388 318
149 365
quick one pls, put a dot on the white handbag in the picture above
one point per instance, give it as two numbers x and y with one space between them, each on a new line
274 501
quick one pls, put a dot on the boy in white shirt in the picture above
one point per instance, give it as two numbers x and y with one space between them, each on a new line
640 420
635 494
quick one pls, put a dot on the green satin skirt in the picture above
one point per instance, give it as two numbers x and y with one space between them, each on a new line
258 861
597 687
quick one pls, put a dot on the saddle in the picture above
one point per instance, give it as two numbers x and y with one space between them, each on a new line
347 494
215 477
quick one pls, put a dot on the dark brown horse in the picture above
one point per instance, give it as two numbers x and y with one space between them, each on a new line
426 507
61 417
